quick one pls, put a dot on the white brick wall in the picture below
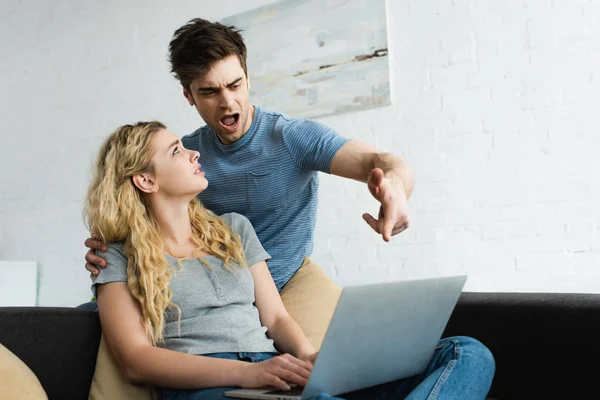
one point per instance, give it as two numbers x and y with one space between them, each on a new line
496 105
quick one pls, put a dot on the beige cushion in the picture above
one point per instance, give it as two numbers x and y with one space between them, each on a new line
109 383
310 297
17 381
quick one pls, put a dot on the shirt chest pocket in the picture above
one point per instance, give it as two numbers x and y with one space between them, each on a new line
267 190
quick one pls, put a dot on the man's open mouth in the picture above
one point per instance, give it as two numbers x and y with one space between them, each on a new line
230 120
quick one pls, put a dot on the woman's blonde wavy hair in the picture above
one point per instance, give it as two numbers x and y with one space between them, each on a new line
116 211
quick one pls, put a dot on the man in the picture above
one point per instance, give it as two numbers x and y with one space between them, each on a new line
264 165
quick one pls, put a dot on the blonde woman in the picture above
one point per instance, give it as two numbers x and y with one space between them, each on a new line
187 302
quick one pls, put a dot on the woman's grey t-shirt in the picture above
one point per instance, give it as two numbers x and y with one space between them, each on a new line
217 305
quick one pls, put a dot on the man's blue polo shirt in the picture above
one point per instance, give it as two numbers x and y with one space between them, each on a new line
270 176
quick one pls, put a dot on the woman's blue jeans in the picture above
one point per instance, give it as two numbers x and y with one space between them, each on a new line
461 369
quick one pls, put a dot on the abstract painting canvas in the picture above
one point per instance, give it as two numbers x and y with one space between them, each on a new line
312 58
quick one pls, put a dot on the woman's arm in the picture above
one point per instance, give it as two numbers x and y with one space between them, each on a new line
141 362
284 331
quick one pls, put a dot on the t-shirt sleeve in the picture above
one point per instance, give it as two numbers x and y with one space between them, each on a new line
252 247
312 144
116 266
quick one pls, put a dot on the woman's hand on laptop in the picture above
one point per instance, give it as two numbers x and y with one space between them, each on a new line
310 358
277 372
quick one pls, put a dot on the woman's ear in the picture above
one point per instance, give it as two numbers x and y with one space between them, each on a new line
145 182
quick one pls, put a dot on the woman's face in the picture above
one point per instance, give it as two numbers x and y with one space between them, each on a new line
177 173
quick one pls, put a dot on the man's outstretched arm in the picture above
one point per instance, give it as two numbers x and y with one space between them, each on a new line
389 179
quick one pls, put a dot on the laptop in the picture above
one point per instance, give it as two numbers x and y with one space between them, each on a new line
378 333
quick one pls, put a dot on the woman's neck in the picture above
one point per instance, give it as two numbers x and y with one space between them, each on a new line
174 222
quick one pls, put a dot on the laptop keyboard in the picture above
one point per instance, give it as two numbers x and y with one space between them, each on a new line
294 391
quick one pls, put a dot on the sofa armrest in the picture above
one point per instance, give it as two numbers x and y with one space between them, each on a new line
59 345
545 344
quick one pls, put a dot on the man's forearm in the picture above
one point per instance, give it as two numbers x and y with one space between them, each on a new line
395 169
356 160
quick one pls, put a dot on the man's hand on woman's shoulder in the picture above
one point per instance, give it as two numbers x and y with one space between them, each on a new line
93 263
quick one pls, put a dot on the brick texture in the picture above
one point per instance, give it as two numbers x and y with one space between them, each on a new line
495 105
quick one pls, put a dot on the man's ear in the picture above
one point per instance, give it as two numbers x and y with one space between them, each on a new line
145 182
248 80
188 96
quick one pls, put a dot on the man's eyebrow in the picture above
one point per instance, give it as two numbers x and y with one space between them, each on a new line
234 82
215 89
206 89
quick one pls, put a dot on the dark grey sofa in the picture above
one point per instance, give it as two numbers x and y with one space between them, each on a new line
546 346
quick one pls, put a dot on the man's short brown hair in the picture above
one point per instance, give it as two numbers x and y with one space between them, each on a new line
198 44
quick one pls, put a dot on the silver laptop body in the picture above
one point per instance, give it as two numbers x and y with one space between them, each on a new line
378 333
